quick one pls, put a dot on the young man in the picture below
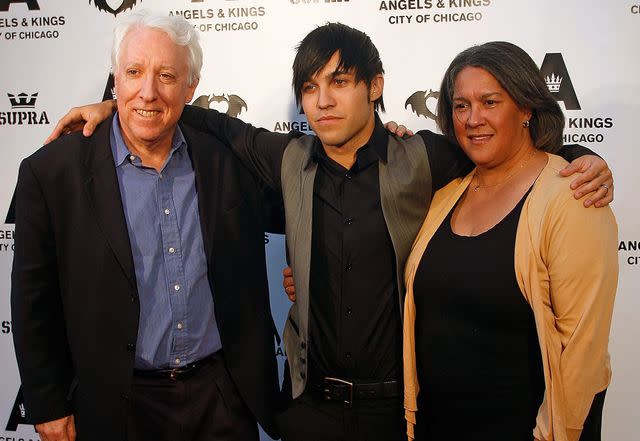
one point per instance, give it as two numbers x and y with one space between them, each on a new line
354 199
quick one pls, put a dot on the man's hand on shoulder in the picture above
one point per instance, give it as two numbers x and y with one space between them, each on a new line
85 118
396 129
63 429
595 177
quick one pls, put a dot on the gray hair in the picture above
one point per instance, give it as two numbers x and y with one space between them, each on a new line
177 28
519 75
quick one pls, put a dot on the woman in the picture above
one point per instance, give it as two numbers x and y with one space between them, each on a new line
510 283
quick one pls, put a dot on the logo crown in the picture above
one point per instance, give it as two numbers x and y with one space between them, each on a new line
553 82
23 100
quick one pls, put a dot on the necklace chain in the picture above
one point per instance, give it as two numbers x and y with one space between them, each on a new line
511 175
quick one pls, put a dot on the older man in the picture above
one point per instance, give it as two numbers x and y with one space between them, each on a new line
135 276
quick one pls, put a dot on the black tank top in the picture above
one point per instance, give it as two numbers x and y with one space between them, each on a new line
478 357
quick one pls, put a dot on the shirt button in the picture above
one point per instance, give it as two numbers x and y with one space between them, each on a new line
348 312
348 221
131 347
132 158
167 211
172 250
347 175
176 287
348 267
348 355
161 176
176 361
179 326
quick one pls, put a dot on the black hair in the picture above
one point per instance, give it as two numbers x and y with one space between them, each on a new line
356 51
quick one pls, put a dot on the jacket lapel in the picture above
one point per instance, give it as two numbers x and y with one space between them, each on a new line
104 194
207 168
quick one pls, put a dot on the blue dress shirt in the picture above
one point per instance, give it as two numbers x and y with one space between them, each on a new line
177 321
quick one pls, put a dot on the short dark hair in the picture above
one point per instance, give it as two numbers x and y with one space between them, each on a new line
356 50
519 75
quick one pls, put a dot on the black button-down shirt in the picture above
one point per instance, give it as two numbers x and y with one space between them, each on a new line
355 327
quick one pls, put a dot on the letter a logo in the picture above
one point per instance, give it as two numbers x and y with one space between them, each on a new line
11 215
18 414
31 4
109 89
556 75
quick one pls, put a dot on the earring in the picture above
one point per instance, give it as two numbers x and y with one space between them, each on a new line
526 124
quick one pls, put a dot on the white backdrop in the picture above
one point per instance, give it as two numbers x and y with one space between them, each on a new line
59 51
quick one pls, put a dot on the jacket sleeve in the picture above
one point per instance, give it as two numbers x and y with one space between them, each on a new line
448 161
580 253
37 314
573 151
258 149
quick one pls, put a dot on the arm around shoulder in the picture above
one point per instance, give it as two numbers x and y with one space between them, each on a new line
447 160
258 149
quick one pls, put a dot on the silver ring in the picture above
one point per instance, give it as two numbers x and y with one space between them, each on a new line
605 186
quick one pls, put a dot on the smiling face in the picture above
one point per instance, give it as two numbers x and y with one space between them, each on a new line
339 109
152 86
487 121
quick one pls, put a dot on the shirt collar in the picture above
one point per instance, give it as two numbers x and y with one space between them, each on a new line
379 139
377 145
120 150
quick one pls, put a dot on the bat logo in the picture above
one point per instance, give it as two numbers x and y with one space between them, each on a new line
103 5
418 102
235 104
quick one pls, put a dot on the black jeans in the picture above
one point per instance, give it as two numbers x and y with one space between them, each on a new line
310 418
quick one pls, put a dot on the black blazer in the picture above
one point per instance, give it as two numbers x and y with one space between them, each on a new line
74 299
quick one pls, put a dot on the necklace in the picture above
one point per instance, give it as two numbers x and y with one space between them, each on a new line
511 175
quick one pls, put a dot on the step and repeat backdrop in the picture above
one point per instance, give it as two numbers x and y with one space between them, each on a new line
55 55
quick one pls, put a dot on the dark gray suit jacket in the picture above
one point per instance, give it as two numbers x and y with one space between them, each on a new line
74 297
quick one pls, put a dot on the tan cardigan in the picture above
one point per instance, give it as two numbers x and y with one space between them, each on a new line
566 266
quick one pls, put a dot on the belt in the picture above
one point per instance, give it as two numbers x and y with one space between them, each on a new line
336 389
179 373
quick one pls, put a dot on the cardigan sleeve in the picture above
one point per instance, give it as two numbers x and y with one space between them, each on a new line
580 252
